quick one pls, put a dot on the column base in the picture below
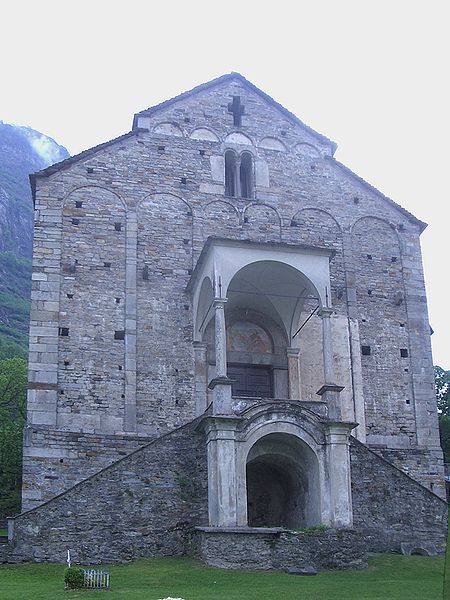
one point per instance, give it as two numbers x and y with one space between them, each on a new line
221 387
330 394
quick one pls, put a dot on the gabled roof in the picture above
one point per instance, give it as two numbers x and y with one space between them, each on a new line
64 164
422 225
229 77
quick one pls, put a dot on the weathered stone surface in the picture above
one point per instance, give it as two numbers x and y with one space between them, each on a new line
285 550
113 363
391 508
146 504
151 502
128 200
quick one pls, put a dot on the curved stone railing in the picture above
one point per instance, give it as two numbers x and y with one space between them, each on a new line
241 403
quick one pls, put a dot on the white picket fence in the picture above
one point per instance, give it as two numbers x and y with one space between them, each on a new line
95 579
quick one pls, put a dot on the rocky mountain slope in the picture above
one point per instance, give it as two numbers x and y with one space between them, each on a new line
22 151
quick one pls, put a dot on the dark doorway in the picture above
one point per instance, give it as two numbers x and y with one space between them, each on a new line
251 380
282 479
269 493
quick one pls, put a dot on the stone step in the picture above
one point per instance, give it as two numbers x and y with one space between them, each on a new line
303 571
3 539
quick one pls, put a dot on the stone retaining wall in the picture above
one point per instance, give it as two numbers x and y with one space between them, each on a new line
281 549
143 505
150 502
391 508
54 461
422 464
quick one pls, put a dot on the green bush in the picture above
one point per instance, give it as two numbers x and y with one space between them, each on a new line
74 577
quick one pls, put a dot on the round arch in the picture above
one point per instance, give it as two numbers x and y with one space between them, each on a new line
381 220
318 211
156 196
85 188
272 288
282 483
282 479
204 311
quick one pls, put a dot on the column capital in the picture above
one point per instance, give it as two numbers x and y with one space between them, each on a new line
330 394
338 432
325 311
221 387
221 380
199 345
216 426
292 351
330 387
219 302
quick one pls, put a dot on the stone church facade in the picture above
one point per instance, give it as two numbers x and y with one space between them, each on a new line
229 343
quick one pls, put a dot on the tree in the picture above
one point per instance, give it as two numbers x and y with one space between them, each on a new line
442 384
13 385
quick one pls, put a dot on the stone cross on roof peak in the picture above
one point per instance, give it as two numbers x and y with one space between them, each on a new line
237 109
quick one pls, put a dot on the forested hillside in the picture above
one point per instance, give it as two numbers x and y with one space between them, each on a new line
22 151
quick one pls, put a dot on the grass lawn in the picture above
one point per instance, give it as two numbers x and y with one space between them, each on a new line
447 564
3 531
389 577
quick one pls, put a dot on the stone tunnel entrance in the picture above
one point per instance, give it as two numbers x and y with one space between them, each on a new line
282 483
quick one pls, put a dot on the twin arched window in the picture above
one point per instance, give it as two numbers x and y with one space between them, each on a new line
238 174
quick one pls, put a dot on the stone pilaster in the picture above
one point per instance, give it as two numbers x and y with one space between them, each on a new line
338 455
354 338
42 401
329 391
130 323
222 477
294 373
421 359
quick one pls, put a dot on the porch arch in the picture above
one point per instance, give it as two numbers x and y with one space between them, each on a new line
281 477
225 260
282 483
268 287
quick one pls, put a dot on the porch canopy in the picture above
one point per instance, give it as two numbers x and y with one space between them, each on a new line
271 278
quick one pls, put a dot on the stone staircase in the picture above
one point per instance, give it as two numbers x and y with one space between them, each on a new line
153 502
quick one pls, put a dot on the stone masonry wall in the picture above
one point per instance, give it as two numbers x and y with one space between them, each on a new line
421 464
91 374
282 550
118 233
143 505
57 460
149 503
389 507
383 330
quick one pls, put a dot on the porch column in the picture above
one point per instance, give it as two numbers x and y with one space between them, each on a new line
338 453
330 391
328 369
220 337
293 373
220 385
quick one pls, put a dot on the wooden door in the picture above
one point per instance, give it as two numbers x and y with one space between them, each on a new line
251 380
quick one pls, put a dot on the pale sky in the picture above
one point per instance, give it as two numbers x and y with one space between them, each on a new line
370 75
